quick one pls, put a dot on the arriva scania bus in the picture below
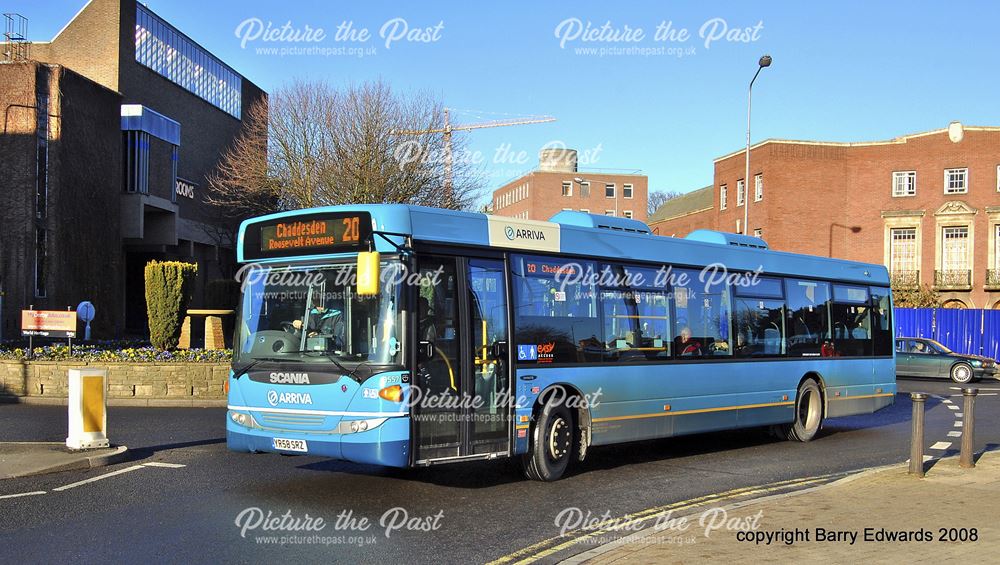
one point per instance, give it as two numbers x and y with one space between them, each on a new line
409 336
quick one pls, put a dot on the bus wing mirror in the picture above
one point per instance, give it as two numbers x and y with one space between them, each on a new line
368 273
498 350
426 350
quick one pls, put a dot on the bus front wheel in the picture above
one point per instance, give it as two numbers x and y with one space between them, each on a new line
808 413
551 444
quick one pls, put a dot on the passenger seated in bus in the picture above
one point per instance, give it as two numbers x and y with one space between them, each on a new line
686 345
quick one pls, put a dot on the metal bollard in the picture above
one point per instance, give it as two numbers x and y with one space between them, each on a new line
968 428
917 437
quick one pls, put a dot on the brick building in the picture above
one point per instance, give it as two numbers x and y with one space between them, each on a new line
559 185
925 205
111 130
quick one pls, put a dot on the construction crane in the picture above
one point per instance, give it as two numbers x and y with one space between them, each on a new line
448 128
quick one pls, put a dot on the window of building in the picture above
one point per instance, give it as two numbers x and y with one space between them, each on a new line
169 53
585 210
903 250
41 253
758 188
627 213
757 232
996 247
556 314
585 189
42 158
609 212
567 188
609 190
567 209
904 183
626 191
740 192
998 178
955 249
956 181
808 317
723 197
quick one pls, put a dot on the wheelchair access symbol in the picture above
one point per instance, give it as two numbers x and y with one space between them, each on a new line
527 353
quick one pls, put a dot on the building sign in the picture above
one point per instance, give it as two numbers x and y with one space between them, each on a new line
523 234
48 323
307 235
185 188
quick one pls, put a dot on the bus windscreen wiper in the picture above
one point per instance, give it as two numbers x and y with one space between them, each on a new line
246 368
328 355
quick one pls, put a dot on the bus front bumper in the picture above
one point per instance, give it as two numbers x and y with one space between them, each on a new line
386 445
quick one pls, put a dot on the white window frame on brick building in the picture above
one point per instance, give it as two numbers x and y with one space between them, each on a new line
627 214
614 190
758 187
955 248
904 183
627 191
903 254
998 178
567 188
740 192
956 181
723 197
609 212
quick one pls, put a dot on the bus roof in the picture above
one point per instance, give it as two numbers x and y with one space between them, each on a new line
580 234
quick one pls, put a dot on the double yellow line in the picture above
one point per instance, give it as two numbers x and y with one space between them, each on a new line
628 522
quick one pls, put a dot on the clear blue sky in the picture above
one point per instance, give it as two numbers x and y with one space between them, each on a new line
842 71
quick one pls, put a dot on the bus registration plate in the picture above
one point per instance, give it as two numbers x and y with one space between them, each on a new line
289 444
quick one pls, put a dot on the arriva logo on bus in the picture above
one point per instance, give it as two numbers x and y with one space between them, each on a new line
274 398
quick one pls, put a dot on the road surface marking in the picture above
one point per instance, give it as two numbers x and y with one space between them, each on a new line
954 434
959 415
23 494
166 465
958 424
953 407
99 477
546 547
941 445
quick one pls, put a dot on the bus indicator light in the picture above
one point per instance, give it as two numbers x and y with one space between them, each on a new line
392 393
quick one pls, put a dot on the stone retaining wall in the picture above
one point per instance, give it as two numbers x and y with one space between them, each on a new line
48 379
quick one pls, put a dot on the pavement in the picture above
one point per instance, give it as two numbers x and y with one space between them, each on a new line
879 516
24 459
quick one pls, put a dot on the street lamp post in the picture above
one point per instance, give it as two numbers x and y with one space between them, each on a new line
764 61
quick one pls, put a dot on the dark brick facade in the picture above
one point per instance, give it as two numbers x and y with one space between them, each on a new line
89 70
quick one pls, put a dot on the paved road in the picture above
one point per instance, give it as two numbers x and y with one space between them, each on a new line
188 513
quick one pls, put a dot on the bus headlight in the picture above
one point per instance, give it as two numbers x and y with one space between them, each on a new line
358 426
242 419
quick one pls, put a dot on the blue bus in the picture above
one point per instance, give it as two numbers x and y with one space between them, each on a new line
410 336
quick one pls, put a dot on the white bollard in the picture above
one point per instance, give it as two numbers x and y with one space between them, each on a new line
88 409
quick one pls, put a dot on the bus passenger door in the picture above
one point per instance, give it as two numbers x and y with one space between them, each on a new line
462 369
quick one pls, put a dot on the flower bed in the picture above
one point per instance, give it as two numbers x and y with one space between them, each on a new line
106 354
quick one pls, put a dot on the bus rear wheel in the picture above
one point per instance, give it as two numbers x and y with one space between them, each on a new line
808 413
551 444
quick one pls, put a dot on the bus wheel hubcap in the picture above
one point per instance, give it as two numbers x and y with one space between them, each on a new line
558 439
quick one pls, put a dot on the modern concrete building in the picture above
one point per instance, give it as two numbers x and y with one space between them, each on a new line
111 130
926 205
559 185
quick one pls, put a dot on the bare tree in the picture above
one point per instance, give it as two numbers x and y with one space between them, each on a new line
313 145
659 197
